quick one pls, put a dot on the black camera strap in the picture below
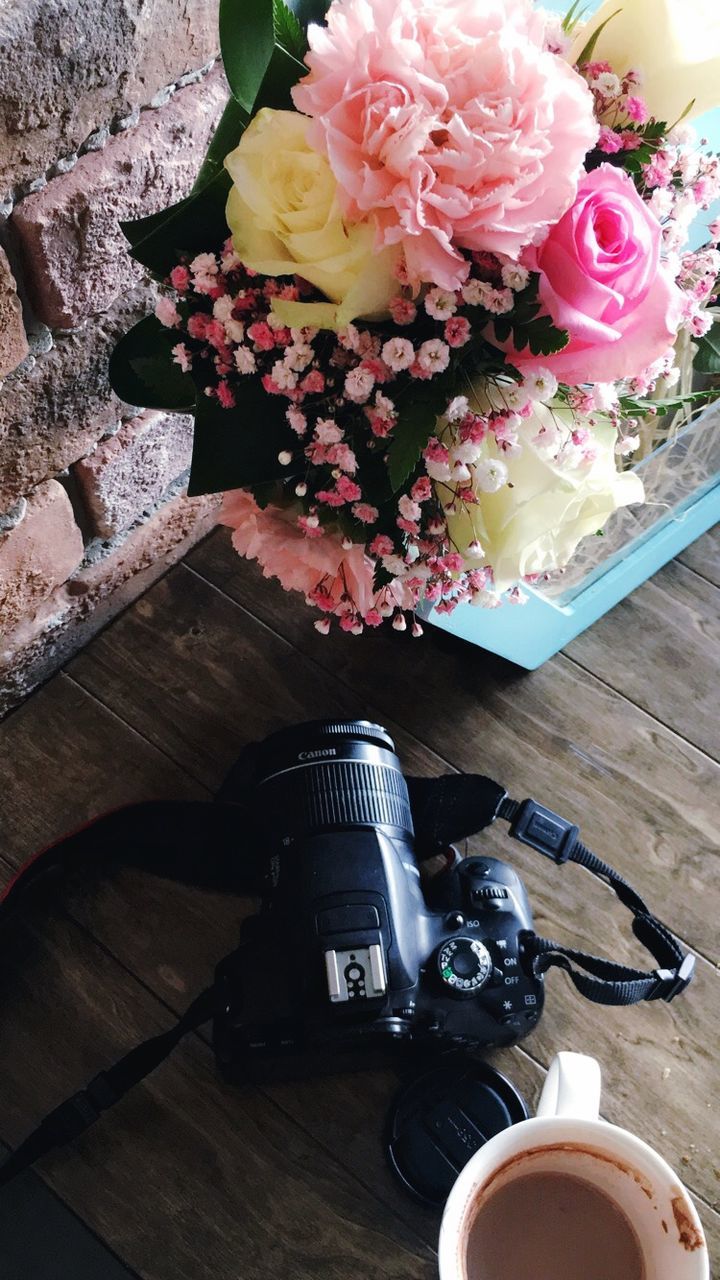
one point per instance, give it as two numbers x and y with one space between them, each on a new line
459 805
197 843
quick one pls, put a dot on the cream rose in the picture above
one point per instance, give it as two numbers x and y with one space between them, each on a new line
534 522
285 220
674 43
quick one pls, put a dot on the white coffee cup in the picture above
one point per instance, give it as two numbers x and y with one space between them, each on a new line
567 1136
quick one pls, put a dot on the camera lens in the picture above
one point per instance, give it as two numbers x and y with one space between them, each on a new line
331 774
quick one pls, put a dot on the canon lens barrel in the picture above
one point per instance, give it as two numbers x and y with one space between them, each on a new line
332 774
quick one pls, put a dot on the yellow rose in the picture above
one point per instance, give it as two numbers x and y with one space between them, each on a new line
285 220
675 43
535 525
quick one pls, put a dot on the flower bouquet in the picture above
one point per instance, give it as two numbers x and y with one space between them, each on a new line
430 288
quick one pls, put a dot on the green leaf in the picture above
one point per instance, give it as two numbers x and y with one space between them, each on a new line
143 372
247 40
309 11
282 74
707 359
288 31
574 15
544 338
232 125
589 48
196 224
418 412
665 404
238 448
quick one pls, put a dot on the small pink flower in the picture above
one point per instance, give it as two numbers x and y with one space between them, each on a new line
313 383
408 526
245 360
637 110
225 395
377 367
262 335
366 515
609 141
182 356
409 508
358 385
197 325
433 356
180 279
341 455
440 304
631 140
421 490
457 331
331 497
499 301
403 311
381 545
398 354
327 431
373 618
297 420
347 488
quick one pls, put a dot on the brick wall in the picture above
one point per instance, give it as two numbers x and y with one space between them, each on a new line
105 114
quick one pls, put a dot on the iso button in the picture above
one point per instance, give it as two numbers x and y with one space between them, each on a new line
465 966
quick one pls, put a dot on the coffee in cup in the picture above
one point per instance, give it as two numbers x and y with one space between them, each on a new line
566 1196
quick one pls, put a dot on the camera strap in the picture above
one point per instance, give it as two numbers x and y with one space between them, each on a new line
197 843
457 806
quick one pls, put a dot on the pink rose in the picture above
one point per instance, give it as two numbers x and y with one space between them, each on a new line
602 280
448 124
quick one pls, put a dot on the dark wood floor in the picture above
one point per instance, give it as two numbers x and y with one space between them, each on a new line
189 1179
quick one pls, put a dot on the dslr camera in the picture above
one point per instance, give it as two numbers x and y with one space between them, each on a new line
352 948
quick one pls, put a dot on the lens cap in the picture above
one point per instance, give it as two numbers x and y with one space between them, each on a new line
442 1117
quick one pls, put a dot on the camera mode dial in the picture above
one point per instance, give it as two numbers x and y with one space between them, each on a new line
465 965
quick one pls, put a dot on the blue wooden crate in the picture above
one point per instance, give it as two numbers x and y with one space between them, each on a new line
529 634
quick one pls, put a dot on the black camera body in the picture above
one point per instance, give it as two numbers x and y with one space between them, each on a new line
351 949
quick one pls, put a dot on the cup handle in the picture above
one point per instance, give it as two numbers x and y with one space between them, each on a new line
572 1088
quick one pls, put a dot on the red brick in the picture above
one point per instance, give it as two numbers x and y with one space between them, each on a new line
54 412
68 67
38 555
76 611
131 470
75 255
13 342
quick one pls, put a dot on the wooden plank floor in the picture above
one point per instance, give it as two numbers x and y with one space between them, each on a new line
189 1179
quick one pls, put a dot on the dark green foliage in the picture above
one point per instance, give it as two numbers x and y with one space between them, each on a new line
527 327
707 359
247 40
194 225
418 408
238 448
143 372
288 31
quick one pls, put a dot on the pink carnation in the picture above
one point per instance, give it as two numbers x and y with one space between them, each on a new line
282 550
448 124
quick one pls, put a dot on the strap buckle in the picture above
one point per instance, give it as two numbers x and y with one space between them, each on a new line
81 1111
545 831
672 982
